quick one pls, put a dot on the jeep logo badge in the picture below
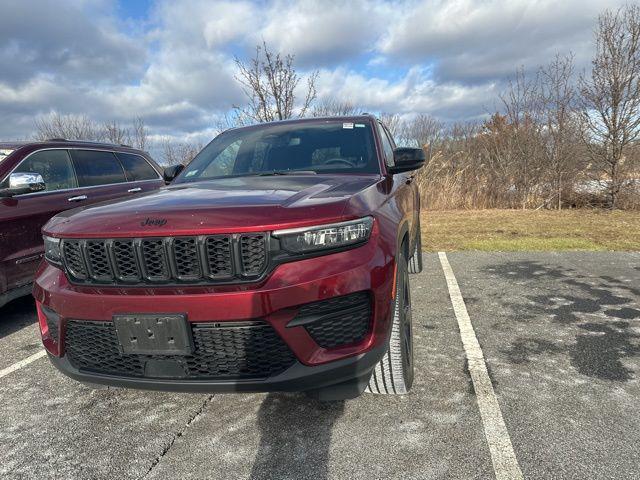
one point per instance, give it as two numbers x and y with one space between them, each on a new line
153 222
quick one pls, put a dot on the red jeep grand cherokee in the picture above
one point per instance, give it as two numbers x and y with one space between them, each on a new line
277 260
40 179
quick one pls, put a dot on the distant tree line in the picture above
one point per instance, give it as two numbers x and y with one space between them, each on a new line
557 141
135 134
81 127
560 139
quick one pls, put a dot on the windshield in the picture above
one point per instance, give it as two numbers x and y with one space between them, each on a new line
4 153
323 147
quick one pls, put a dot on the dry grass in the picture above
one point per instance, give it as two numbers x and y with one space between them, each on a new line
526 230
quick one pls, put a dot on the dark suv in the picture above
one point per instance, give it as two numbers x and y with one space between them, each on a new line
41 179
277 259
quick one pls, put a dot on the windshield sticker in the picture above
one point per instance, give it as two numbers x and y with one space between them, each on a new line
359 125
347 125
191 173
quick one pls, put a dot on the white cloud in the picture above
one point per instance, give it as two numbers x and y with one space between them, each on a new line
76 41
176 69
415 93
204 23
326 32
474 41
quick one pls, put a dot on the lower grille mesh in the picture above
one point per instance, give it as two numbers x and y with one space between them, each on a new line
53 322
337 321
244 350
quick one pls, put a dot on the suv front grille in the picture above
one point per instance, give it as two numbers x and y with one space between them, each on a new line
252 248
74 260
219 257
235 350
168 260
124 255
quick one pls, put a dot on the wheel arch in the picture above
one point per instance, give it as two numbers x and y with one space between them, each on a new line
403 239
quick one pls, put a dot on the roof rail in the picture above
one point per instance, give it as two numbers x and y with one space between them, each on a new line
89 142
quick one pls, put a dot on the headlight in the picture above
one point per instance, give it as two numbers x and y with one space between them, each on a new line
52 250
323 237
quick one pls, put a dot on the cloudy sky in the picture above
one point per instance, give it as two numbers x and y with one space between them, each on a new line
171 62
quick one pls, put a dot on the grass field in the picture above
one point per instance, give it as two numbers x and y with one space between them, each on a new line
526 230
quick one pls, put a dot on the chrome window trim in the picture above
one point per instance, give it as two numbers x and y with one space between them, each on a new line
44 149
80 188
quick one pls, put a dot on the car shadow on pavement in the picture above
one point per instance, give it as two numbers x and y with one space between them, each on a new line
295 436
16 315
600 311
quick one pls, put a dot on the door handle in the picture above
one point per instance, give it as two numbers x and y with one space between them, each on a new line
133 190
77 198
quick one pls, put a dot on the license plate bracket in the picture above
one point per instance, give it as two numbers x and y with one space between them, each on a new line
153 334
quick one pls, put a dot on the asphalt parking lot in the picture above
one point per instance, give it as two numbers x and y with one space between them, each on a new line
560 333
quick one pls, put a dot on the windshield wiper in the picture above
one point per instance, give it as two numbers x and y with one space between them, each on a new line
252 174
286 172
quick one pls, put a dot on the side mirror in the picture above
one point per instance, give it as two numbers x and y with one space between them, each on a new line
24 182
172 172
407 159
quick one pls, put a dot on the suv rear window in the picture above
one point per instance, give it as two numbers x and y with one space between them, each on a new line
136 167
95 167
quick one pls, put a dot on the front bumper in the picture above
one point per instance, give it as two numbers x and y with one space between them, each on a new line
297 378
276 301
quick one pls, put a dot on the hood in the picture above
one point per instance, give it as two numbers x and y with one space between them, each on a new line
217 206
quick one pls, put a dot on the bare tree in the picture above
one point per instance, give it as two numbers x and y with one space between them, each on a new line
139 134
269 81
610 95
522 110
81 127
558 117
332 107
425 131
394 124
173 153
114 132
70 127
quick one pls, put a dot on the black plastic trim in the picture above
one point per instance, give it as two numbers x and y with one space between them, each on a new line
306 320
14 293
296 378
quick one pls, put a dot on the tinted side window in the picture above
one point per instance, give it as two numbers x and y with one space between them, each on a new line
97 168
386 146
54 166
136 167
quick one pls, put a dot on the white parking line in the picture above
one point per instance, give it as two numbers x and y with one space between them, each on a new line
22 363
505 463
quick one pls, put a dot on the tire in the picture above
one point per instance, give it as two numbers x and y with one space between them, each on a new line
393 375
415 262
